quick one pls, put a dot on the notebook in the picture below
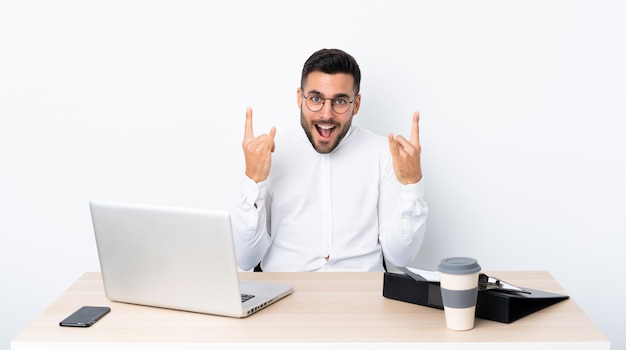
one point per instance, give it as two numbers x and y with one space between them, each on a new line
175 258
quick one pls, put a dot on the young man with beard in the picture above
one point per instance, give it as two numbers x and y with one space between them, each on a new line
333 196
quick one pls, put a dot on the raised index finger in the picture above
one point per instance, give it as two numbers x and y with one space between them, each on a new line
248 132
415 130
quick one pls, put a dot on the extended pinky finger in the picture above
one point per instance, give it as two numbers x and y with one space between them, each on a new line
393 145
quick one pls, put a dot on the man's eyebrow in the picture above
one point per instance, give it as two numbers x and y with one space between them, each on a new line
339 95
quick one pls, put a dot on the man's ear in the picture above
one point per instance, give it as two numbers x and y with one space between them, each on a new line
357 104
299 99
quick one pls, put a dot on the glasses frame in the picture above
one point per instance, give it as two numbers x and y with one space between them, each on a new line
332 104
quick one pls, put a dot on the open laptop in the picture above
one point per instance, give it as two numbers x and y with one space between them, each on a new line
175 258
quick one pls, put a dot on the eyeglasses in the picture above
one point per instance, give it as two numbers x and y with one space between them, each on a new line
315 102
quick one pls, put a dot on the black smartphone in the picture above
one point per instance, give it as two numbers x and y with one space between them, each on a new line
85 316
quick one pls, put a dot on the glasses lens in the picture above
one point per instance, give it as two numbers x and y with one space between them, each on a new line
341 105
314 103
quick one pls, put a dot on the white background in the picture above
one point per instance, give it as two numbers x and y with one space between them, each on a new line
523 106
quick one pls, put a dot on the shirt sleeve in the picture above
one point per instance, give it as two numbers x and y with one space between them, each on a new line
249 224
403 223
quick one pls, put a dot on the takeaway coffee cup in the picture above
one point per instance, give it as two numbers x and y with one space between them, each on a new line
459 291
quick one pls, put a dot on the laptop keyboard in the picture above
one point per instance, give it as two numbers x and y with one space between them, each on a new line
246 297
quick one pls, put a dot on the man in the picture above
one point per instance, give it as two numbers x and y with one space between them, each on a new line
332 196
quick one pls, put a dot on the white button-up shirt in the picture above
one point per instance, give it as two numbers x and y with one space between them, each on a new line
339 211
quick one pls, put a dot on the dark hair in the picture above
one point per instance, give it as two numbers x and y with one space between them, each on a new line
332 61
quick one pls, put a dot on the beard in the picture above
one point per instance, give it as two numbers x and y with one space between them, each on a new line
324 147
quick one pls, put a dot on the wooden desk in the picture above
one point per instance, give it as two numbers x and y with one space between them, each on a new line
327 310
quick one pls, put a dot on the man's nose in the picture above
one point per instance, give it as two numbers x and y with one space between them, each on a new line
327 110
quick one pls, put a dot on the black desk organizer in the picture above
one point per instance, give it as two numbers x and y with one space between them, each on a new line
493 305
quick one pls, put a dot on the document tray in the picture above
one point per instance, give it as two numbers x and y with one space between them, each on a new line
493 305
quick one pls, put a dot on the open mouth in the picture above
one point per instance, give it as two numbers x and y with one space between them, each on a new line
325 130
